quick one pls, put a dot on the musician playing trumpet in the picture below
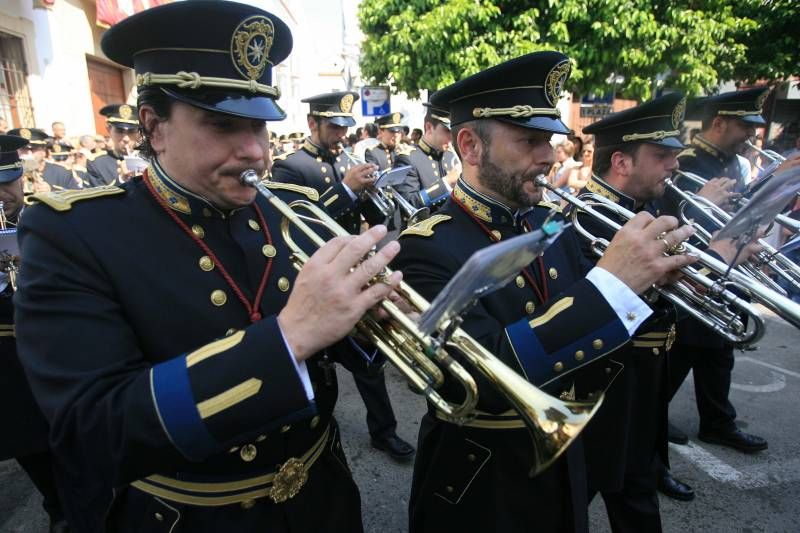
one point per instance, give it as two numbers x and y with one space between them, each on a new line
122 122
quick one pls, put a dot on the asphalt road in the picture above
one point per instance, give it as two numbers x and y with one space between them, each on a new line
735 492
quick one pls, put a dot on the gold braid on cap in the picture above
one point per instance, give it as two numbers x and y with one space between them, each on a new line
739 113
193 80
518 111
330 114
655 135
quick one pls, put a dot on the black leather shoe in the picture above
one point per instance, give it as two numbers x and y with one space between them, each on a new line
674 488
675 435
396 447
736 439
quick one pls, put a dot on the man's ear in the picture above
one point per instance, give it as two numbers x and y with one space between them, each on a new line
470 146
153 127
621 163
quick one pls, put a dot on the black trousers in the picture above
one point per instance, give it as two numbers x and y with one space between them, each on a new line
712 369
380 416
632 511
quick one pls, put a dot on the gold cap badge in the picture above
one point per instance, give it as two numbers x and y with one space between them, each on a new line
346 103
125 111
554 83
250 46
25 133
396 118
761 99
678 112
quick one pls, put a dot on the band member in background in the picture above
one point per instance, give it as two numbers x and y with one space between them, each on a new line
55 176
122 122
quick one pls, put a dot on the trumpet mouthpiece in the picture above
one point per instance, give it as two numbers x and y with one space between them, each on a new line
249 177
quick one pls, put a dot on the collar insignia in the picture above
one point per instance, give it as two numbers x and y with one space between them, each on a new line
678 112
346 103
250 45
594 185
555 81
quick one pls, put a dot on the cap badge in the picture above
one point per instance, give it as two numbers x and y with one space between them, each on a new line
347 103
252 40
125 111
761 99
554 83
395 118
56 148
25 133
677 113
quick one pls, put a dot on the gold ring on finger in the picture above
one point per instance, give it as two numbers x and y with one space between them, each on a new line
667 245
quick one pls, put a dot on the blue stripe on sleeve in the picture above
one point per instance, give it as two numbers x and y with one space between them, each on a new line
176 405
529 350
426 199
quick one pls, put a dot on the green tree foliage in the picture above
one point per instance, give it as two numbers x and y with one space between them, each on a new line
689 44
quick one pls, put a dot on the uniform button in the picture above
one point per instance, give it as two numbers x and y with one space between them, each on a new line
248 504
319 160
199 231
268 250
553 273
656 351
558 367
449 489
496 234
608 370
430 157
323 169
520 281
230 332
218 298
471 458
436 173
286 428
248 452
530 308
253 225
314 422
579 355
341 169
327 179
206 212
597 344
433 165
283 284
206 264
159 517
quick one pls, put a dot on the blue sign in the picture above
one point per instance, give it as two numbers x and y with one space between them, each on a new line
375 101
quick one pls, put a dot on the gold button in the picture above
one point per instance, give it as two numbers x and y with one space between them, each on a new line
436 173
656 351
230 332
553 272
219 298
579 355
268 250
319 160
608 370
327 179
284 429
430 157
558 367
199 231
520 281
323 169
253 225
206 212
283 284
597 344
248 504
448 488
496 234
261 438
471 458
159 517
530 308
248 452
314 422
341 169
433 165
206 264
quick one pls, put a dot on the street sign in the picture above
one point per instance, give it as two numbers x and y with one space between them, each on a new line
375 101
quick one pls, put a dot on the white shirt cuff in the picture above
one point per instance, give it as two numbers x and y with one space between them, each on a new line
350 193
302 371
630 309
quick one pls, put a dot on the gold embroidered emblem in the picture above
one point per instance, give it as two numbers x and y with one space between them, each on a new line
761 99
396 118
25 133
424 228
125 111
250 46
678 112
480 210
176 201
288 481
56 148
311 193
346 104
63 200
554 83
597 188
670 337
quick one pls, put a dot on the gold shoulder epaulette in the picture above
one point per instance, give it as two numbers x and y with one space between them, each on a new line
550 205
309 192
689 152
404 149
283 156
91 156
424 228
63 200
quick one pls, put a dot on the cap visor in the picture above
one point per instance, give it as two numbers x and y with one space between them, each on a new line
344 122
231 103
756 120
10 175
124 125
669 142
552 125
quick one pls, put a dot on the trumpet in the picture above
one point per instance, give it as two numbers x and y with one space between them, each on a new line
553 423
769 256
8 263
709 301
379 199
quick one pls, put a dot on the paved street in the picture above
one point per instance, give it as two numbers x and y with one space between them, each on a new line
736 492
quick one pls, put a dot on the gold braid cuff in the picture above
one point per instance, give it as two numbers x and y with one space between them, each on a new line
18 164
193 80
518 111
655 135
738 113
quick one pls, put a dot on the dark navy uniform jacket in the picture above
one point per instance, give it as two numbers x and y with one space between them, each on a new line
385 157
104 169
485 464
314 166
425 185
146 362
59 178
628 433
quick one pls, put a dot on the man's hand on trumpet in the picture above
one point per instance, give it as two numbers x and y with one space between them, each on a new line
359 177
720 192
